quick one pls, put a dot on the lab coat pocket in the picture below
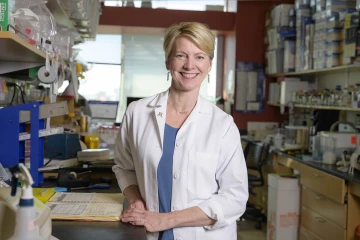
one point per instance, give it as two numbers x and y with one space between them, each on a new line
201 173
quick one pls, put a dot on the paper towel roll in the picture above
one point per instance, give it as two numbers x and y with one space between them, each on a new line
47 76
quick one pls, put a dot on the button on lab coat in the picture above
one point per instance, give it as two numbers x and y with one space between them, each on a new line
209 168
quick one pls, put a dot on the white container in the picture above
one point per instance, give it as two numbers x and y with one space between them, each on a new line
344 141
283 208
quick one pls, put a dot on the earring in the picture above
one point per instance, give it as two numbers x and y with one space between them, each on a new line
208 78
168 73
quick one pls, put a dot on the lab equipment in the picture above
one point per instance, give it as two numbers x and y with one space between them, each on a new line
296 137
95 186
13 120
103 109
70 180
65 145
26 220
345 141
328 146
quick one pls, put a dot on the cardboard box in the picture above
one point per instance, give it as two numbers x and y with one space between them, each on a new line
280 15
6 8
283 208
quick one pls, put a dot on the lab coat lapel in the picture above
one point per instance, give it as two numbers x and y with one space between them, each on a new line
200 108
159 105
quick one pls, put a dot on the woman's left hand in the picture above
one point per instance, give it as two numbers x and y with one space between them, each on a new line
152 221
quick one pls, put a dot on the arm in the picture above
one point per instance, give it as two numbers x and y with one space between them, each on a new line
124 166
230 202
134 198
155 222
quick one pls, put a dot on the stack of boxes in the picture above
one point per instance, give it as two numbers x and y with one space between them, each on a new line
319 42
335 14
303 49
352 37
280 21
322 39
329 33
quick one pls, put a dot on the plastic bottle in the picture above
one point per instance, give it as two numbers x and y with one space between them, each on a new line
26 227
278 139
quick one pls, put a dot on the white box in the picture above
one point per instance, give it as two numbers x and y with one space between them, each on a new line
274 93
289 86
289 56
259 130
283 208
280 15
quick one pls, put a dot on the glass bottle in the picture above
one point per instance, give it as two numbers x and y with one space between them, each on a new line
338 96
357 95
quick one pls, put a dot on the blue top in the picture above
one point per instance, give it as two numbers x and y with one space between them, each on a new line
164 177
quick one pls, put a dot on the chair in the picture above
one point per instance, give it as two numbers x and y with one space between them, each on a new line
256 155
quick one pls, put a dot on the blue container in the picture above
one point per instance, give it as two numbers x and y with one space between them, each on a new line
63 146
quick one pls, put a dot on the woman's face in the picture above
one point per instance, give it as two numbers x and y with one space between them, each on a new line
188 65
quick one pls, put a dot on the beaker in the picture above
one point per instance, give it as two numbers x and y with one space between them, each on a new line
329 155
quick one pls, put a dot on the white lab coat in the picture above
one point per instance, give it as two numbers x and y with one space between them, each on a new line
209 169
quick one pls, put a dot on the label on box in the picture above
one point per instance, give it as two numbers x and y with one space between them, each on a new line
4 15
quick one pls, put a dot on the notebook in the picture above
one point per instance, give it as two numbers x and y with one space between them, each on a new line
86 206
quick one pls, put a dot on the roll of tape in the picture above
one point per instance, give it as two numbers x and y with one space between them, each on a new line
47 76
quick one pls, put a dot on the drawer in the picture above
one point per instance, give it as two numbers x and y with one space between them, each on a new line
289 162
334 211
305 234
321 226
323 183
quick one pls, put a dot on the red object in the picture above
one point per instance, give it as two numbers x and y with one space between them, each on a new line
358 231
353 140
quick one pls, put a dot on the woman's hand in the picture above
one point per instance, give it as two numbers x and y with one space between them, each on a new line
152 221
139 203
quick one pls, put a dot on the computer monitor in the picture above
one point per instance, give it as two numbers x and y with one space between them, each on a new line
103 109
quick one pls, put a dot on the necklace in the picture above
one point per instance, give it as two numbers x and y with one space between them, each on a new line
184 112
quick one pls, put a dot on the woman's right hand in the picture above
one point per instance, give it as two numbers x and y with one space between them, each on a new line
138 203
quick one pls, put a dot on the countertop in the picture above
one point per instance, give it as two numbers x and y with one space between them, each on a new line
71 230
328 168
76 230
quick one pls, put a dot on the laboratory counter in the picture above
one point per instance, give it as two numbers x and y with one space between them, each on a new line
286 160
77 230
328 168
329 198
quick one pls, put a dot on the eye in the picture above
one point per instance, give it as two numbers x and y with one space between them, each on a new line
180 56
200 57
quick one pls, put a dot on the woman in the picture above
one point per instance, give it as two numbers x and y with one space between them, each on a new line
178 157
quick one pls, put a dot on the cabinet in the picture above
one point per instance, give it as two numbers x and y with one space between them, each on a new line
330 205
323 206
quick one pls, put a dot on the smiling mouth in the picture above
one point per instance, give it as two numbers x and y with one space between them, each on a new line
189 75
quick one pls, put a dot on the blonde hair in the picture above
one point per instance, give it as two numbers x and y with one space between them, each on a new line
199 33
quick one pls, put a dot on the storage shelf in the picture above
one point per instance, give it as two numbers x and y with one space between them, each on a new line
318 107
60 16
15 49
319 71
42 133
16 54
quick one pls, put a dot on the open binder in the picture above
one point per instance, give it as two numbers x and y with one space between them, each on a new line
86 206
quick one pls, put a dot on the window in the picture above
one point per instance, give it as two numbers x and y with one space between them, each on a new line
103 58
144 72
192 5
122 66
